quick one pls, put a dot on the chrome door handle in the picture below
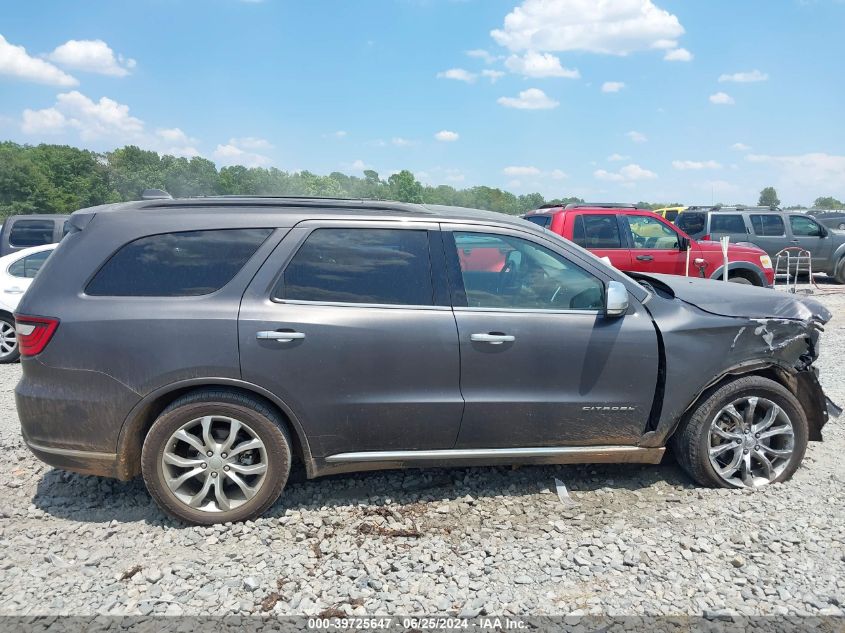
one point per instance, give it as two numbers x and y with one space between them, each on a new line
275 335
13 291
645 258
493 339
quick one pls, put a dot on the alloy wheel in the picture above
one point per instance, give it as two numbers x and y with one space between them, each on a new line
751 442
8 339
214 463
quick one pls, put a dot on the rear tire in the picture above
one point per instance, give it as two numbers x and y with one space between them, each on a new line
741 280
9 350
215 456
839 275
718 455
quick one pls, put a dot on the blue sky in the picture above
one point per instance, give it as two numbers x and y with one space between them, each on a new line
619 100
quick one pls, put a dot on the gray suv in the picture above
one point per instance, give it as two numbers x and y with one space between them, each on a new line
207 344
771 230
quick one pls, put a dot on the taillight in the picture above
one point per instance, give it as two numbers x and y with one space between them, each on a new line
706 237
34 333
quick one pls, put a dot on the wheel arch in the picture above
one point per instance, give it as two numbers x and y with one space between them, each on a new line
774 371
144 413
749 271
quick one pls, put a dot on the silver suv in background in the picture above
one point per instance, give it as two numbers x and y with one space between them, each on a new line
771 230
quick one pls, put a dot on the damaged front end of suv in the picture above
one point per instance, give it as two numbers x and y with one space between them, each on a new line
713 333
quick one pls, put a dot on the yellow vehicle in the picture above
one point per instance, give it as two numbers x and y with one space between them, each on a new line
670 213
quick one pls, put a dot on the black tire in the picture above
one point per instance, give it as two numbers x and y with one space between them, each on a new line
740 280
691 442
15 354
839 275
263 421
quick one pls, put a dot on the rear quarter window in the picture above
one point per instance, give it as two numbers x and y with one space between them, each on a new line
25 233
543 220
184 264
691 222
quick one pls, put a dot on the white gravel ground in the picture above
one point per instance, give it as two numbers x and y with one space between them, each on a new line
642 540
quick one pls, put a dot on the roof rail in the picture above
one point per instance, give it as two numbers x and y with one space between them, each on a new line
601 205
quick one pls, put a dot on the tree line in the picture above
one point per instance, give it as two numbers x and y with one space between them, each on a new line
61 179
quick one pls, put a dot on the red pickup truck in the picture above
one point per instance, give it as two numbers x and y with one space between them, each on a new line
641 241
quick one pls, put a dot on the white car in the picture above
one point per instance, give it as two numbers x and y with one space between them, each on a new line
17 271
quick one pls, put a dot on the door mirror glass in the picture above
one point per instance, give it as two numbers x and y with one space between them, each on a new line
617 299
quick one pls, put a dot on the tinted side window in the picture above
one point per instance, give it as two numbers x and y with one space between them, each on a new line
532 277
601 231
31 232
768 225
691 222
671 215
184 264
727 223
29 266
380 266
804 227
542 220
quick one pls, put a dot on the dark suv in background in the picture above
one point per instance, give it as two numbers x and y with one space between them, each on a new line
23 231
208 343
771 230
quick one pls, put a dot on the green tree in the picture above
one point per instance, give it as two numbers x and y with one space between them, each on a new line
769 198
828 202
404 187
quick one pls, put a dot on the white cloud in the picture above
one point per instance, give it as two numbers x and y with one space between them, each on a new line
619 27
360 165
678 55
251 142
810 173
176 143
629 173
486 56
521 171
747 77
337 134
447 136
231 154
695 164
103 119
93 56
740 147
722 98
558 174
16 62
531 99
636 137
458 74
492 75
454 175
617 157
398 141
538 65
612 86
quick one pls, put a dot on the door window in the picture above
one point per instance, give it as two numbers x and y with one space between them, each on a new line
803 226
768 225
31 233
691 223
531 276
727 223
597 231
29 266
652 233
370 266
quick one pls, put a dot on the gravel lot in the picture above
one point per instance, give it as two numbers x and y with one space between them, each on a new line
641 540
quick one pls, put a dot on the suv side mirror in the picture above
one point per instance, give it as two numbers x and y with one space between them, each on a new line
616 301
683 243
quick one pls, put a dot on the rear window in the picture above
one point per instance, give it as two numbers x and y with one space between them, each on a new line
185 264
671 215
768 225
31 233
371 266
691 223
727 223
597 231
543 220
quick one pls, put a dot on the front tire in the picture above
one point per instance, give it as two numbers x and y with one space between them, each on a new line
748 433
9 351
740 280
839 274
215 456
